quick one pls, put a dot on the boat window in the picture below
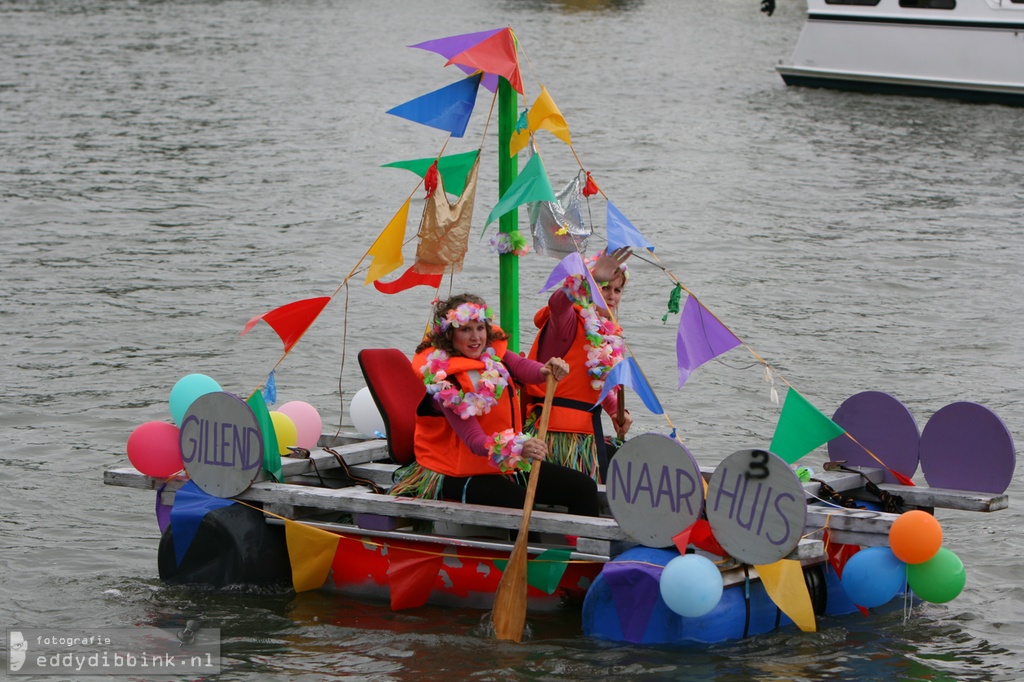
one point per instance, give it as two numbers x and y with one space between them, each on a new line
929 4
856 2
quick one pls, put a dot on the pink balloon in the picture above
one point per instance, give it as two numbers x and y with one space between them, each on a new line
307 422
155 450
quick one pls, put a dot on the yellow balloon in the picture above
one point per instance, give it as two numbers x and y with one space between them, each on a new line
284 429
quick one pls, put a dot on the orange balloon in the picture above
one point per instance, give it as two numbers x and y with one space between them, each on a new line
915 537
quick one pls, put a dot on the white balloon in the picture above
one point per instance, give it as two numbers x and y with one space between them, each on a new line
364 414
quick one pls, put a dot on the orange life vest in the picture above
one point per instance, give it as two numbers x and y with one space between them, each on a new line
575 386
438 447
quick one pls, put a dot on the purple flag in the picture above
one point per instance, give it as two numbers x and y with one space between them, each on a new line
573 265
622 233
635 589
447 108
453 45
627 373
701 337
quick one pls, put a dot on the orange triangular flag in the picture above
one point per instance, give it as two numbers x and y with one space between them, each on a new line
386 250
784 582
311 552
291 320
496 54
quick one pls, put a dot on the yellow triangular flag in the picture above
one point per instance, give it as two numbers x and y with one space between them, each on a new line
544 115
386 250
311 552
785 584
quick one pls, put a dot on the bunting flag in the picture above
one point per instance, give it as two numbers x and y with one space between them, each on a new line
784 582
801 428
496 54
411 576
531 184
444 228
386 249
163 511
311 552
452 45
291 320
270 389
622 233
408 280
271 448
191 505
447 109
702 537
545 571
627 373
700 338
682 539
573 265
543 115
453 169
636 590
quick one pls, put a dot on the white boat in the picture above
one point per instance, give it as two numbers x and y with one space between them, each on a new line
966 49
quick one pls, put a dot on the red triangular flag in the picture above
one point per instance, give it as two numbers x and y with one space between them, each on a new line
291 320
591 188
701 537
430 179
407 281
496 54
411 575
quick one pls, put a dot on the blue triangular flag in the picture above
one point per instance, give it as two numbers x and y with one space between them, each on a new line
191 505
270 390
627 373
622 233
447 109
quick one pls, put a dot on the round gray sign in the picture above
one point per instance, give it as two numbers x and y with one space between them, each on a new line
654 489
756 507
221 444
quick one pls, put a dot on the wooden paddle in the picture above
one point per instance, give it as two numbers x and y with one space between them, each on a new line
509 615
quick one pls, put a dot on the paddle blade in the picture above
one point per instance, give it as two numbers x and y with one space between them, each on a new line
510 599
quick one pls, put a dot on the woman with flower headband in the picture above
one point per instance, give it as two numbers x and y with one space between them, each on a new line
574 328
469 442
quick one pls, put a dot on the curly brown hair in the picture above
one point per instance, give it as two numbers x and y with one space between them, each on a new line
443 340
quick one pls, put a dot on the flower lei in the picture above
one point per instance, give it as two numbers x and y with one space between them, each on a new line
492 383
604 338
510 242
460 315
506 450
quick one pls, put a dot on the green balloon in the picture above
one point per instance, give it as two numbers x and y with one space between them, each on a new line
938 580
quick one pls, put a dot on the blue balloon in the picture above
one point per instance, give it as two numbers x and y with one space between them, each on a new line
691 585
186 391
873 576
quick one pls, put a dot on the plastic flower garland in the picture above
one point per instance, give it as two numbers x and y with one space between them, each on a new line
604 348
510 242
492 383
506 448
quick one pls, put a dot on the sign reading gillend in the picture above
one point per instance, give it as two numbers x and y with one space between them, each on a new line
221 444
654 489
756 507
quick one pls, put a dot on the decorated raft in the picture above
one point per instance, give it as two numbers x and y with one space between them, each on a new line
681 553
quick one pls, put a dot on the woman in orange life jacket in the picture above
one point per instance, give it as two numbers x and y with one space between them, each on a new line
469 442
573 327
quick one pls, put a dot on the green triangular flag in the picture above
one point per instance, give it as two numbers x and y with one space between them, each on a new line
271 451
531 184
453 169
546 570
801 428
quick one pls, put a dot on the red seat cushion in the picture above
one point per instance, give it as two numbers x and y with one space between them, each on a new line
397 391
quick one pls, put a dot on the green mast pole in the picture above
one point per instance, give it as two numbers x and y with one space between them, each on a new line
508 170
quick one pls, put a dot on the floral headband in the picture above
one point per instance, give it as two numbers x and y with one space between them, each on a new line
463 314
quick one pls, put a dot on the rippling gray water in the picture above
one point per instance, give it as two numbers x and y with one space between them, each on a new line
171 169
